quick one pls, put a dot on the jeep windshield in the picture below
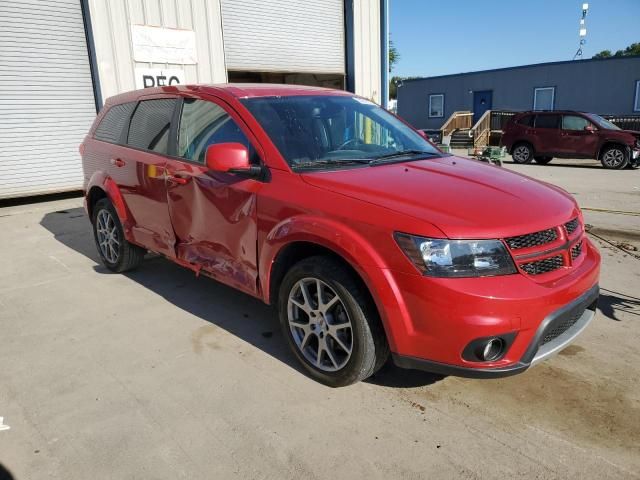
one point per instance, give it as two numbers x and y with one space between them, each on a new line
329 131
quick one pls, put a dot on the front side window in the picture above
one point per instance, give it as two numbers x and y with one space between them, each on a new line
436 105
204 123
320 129
113 123
574 122
544 98
547 121
150 125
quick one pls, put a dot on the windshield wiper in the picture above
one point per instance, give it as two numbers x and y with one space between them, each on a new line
402 153
333 161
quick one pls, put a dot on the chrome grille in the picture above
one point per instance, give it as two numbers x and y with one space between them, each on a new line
572 226
576 250
543 266
532 239
562 324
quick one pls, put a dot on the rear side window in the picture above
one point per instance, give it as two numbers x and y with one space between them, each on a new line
527 121
547 121
113 122
204 123
150 125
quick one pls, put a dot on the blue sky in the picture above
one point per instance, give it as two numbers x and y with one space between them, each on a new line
437 37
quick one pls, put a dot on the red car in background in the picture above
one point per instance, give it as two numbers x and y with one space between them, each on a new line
541 136
366 238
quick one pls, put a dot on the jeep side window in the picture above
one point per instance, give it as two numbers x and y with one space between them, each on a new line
547 121
203 123
112 124
150 125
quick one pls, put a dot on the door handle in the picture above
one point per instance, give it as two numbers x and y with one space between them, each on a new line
118 162
178 179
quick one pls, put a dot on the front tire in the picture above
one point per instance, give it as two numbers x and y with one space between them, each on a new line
116 253
522 153
330 322
614 157
542 160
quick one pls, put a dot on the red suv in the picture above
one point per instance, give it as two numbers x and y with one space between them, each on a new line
366 238
540 136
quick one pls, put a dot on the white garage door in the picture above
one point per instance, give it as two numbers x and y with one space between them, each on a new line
46 96
284 35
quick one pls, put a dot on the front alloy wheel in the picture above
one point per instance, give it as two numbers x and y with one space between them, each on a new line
320 324
614 158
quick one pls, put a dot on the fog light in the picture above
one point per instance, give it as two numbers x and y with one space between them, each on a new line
492 350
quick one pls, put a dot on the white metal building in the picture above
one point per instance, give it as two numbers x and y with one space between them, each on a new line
59 59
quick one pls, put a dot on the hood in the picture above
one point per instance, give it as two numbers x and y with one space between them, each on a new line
463 198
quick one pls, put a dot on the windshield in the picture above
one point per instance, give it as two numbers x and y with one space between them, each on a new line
321 130
603 123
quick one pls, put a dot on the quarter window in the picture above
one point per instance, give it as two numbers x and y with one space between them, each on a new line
573 122
547 121
113 123
204 123
436 105
544 98
527 120
150 125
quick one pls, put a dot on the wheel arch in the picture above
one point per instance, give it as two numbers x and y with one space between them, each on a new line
611 143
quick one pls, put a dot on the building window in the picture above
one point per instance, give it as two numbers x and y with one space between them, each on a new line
544 98
636 103
436 106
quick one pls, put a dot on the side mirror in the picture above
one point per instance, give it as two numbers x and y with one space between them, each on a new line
230 158
589 128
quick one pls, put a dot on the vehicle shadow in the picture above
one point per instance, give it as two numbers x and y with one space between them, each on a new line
558 163
611 302
239 314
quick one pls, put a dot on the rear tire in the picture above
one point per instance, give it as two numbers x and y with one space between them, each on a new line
614 157
522 153
542 160
336 335
116 253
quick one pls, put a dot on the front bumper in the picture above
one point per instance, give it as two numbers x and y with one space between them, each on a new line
578 314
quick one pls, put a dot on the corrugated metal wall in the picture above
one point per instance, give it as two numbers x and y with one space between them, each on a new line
46 96
284 35
366 36
111 21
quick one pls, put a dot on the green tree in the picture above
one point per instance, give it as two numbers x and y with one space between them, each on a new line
633 49
394 56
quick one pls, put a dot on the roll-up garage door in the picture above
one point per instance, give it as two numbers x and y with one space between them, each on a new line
46 96
284 35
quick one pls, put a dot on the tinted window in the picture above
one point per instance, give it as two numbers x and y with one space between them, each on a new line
547 121
527 120
204 123
150 125
113 122
573 122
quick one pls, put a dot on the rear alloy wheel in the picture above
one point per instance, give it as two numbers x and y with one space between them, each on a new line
614 158
116 253
542 160
330 323
522 153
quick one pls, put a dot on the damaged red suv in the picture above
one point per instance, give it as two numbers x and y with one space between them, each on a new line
368 240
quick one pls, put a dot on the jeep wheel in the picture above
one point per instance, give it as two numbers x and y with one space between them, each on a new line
115 252
615 157
522 153
330 323
542 160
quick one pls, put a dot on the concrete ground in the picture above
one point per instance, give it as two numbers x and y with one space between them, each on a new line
157 374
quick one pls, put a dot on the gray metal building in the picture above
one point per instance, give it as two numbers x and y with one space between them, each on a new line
59 59
606 86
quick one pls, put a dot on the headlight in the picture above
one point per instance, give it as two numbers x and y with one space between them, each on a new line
439 257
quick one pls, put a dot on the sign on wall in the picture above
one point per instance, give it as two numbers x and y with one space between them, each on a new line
163 45
158 77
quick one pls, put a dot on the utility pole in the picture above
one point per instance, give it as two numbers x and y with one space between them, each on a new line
582 31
